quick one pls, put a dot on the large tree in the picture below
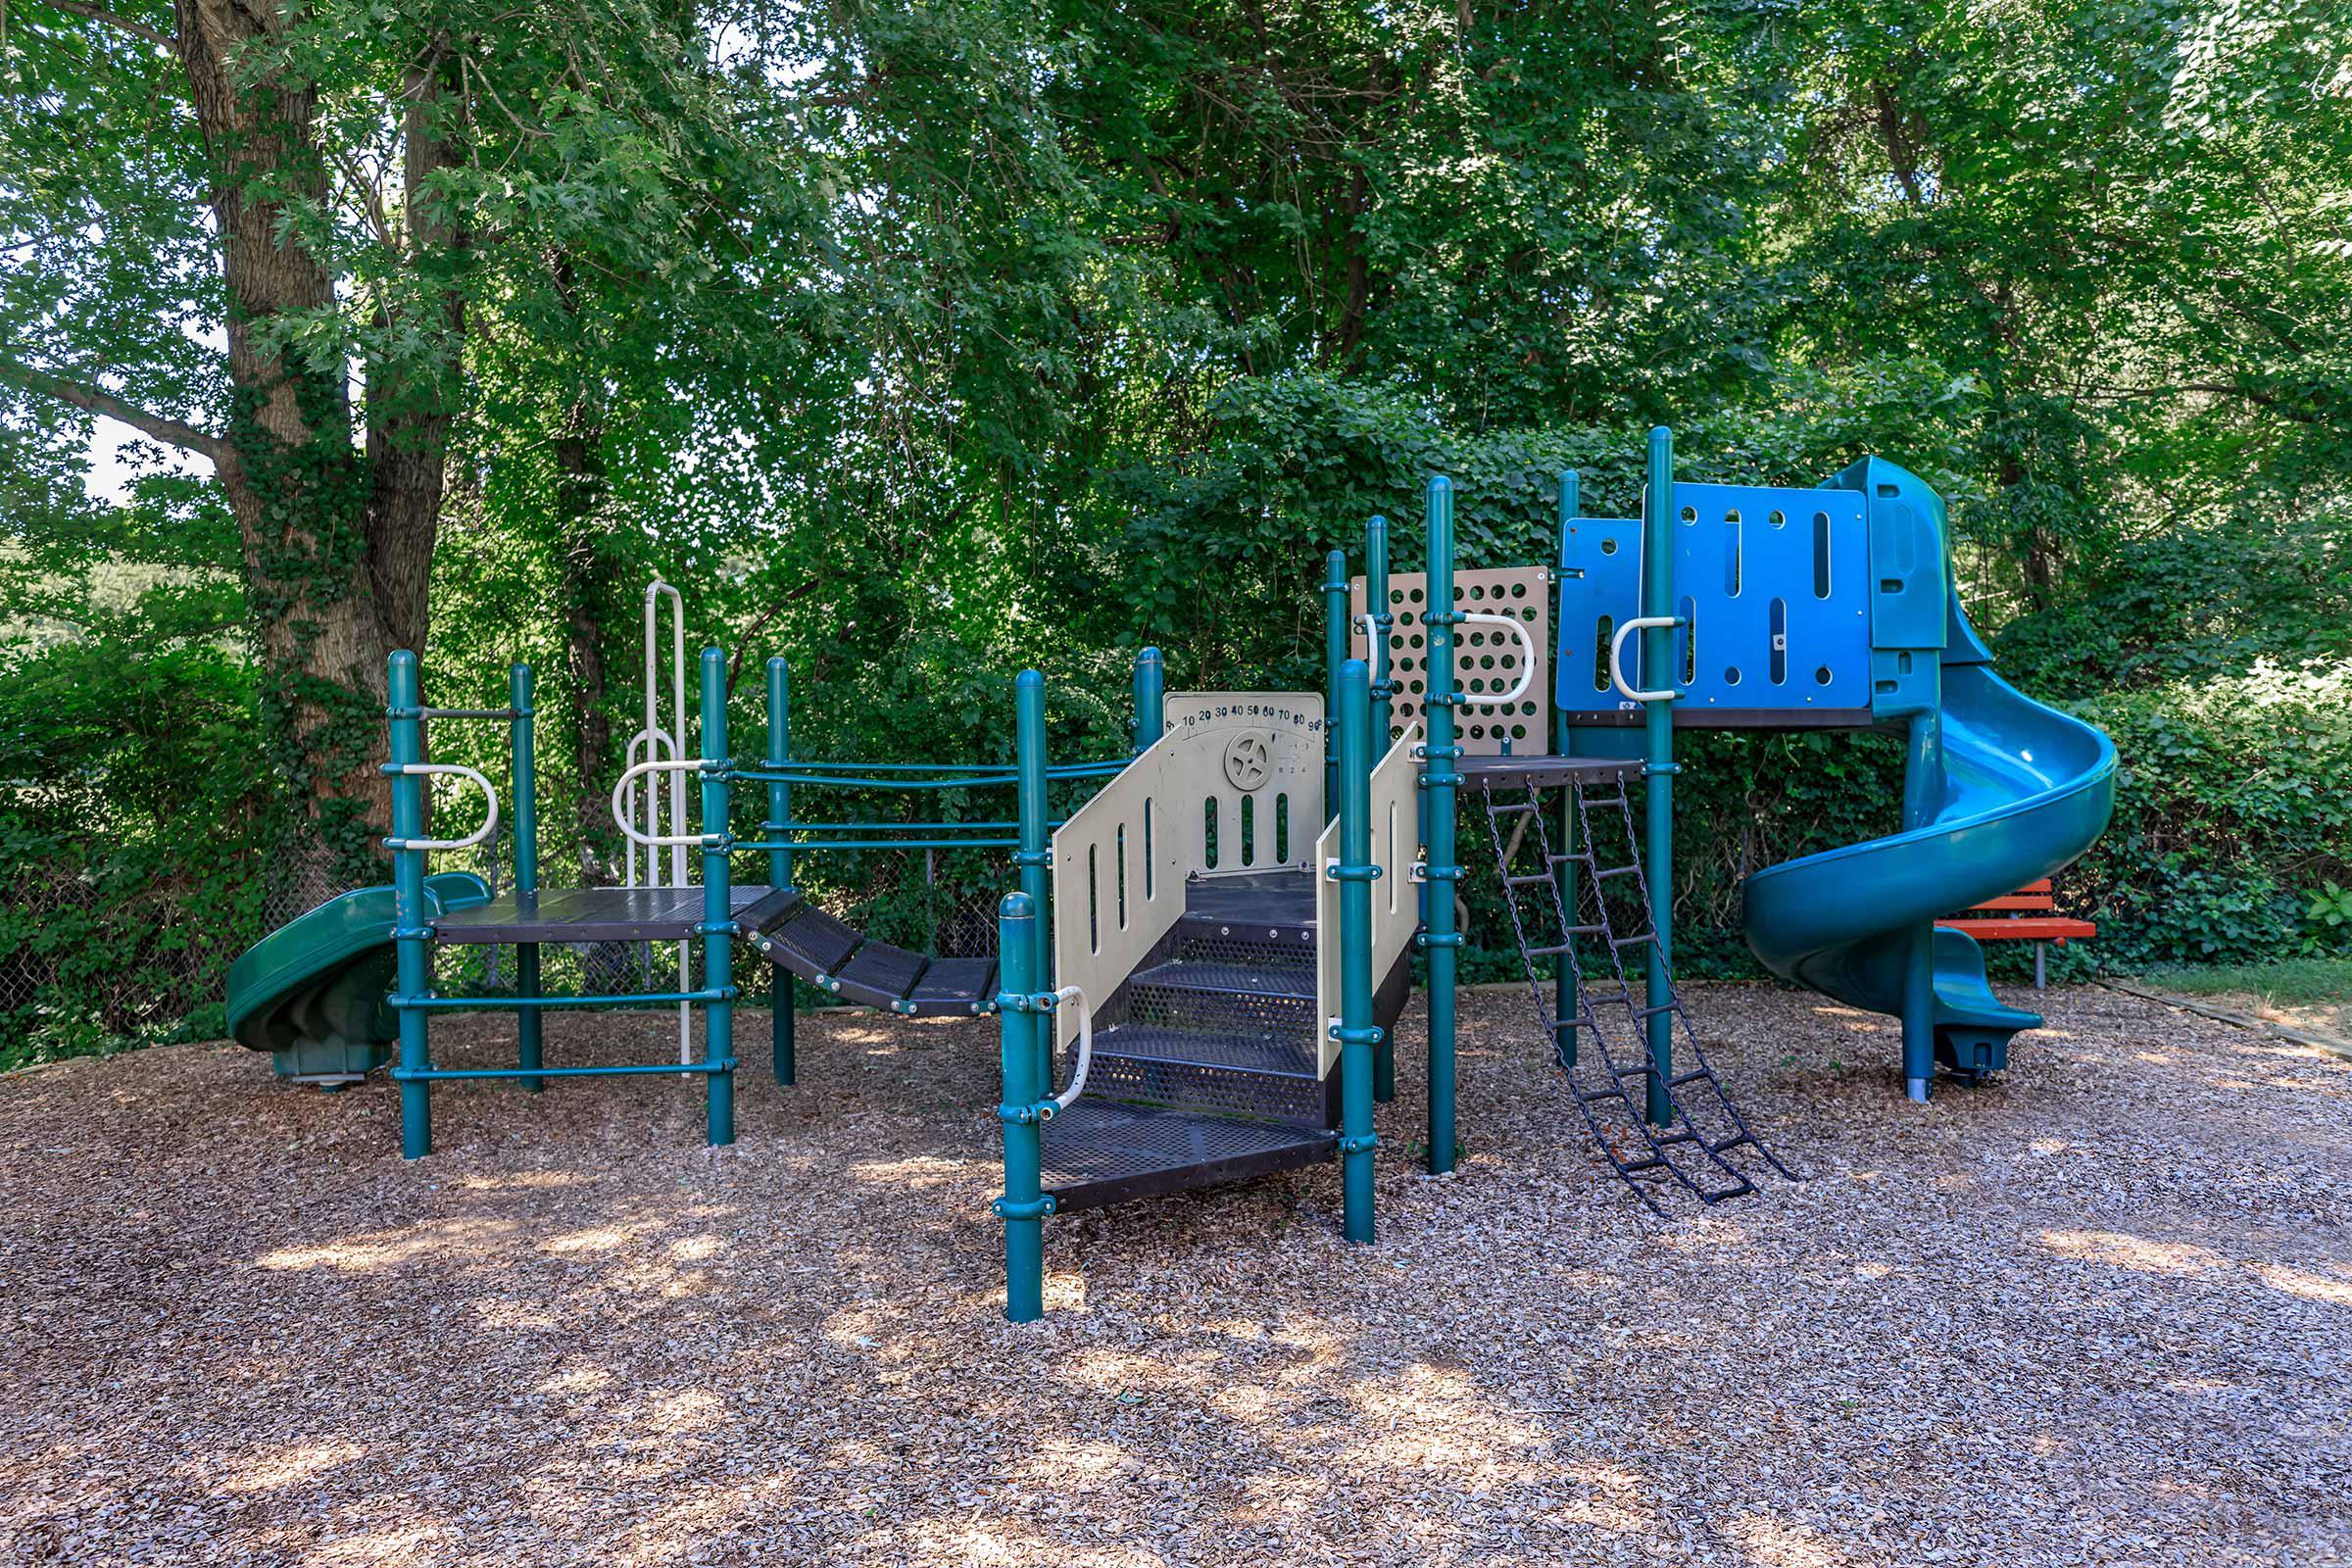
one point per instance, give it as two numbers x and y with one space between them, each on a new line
267 235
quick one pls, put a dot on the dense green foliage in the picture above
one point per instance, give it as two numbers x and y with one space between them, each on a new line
922 342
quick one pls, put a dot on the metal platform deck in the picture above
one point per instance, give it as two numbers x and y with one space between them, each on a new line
1518 771
593 914
1100 1151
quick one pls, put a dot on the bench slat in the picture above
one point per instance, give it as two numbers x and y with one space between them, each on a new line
2040 903
2021 928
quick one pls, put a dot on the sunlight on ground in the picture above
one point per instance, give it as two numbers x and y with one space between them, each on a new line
471 1234
917 1173
2133 1253
269 1470
1774 1543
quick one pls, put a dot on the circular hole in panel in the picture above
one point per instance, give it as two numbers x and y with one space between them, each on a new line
1608 547
1518 590
1779 520
1416 685
1396 596
1518 732
1690 514
1414 595
1478 732
1731 675
1821 676
1478 590
1414 641
1486 661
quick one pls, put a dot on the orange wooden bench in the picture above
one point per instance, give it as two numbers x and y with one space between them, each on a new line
2030 914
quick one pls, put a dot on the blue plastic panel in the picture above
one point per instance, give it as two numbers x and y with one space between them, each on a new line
1775 584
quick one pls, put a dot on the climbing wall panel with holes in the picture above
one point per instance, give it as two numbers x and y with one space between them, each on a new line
1774 589
1487 660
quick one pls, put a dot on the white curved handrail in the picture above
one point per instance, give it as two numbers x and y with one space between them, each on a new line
660 765
1528 660
1617 658
453 770
1076 996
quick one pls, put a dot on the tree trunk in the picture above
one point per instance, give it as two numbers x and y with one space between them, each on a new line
337 545
588 600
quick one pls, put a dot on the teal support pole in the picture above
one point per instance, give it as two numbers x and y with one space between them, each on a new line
1356 1034
1657 733
1335 653
1035 857
779 860
1438 781
1024 1206
718 929
1384 690
412 956
1565 981
529 1030
1376 604
1923 792
1151 700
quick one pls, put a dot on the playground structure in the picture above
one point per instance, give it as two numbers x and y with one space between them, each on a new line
1210 954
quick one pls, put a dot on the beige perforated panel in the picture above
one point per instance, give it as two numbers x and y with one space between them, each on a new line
1486 658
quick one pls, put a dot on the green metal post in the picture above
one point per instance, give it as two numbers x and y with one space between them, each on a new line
1384 690
779 860
1151 699
1923 788
1438 781
1035 857
413 959
718 929
1376 604
1023 1208
1335 653
528 1031
1355 1031
1658 768
1565 981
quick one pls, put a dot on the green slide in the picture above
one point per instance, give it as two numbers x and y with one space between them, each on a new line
312 992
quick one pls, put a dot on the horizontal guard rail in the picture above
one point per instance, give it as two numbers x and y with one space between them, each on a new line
453 770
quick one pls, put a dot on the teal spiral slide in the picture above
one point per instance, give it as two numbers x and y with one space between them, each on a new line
2001 791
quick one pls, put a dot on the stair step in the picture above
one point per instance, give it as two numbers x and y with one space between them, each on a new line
1232 1052
1207 977
1097 1152
1279 947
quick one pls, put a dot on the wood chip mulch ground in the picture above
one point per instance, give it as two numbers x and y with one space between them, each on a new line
2100 1313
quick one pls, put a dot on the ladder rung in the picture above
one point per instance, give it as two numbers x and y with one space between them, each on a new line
1553 952
1633 941
1528 881
1510 808
1610 871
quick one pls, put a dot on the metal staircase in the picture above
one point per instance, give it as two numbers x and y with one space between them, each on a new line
1614 1082
1206 1060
